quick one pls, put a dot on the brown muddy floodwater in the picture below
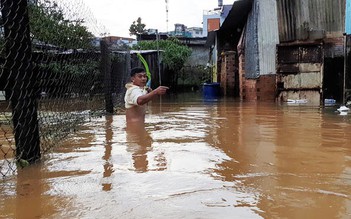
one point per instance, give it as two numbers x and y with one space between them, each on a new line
196 159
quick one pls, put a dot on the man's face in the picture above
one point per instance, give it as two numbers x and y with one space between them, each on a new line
139 79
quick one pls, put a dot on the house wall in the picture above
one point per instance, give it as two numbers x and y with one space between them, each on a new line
257 65
195 31
310 19
199 56
303 22
266 88
251 44
261 89
228 71
209 15
296 23
261 39
212 16
268 36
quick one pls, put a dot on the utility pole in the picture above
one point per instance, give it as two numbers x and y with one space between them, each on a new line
167 14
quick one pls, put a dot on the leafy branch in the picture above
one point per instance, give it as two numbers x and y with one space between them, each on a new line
48 25
174 54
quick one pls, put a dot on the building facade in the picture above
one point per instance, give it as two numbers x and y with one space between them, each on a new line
283 49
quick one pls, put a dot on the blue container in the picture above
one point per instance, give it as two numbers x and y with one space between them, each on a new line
329 101
211 90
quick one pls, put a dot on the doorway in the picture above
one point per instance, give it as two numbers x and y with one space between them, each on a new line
333 78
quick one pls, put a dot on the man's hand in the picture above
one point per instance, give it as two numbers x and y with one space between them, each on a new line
147 97
148 89
161 90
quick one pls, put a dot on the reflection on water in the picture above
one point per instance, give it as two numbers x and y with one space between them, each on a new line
108 166
139 144
29 196
195 159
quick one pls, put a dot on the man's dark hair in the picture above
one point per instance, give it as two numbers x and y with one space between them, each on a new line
136 70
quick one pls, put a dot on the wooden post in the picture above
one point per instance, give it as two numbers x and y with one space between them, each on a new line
21 81
106 70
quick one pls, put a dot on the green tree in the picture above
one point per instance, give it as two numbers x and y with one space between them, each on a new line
174 54
48 25
137 27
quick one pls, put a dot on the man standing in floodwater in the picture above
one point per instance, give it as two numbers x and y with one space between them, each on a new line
138 95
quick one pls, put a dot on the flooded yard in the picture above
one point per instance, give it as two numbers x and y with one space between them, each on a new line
195 159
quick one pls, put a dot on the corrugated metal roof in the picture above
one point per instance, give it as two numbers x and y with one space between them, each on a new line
237 15
225 10
301 19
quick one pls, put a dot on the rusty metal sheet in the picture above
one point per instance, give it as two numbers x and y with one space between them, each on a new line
310 67
300 54
311 54
312 96
300 71
302 19
288 68
287 54
302 81
299 67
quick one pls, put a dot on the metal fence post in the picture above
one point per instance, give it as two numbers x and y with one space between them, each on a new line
19 68
106 70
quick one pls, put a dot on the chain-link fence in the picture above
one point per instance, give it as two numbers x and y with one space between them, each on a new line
54 76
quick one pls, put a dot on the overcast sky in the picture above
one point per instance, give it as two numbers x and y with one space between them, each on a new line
118 15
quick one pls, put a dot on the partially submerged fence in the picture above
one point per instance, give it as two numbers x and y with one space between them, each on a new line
49 85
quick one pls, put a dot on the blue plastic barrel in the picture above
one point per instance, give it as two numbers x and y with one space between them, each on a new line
211 90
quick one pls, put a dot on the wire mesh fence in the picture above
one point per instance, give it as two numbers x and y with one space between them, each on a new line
54 76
